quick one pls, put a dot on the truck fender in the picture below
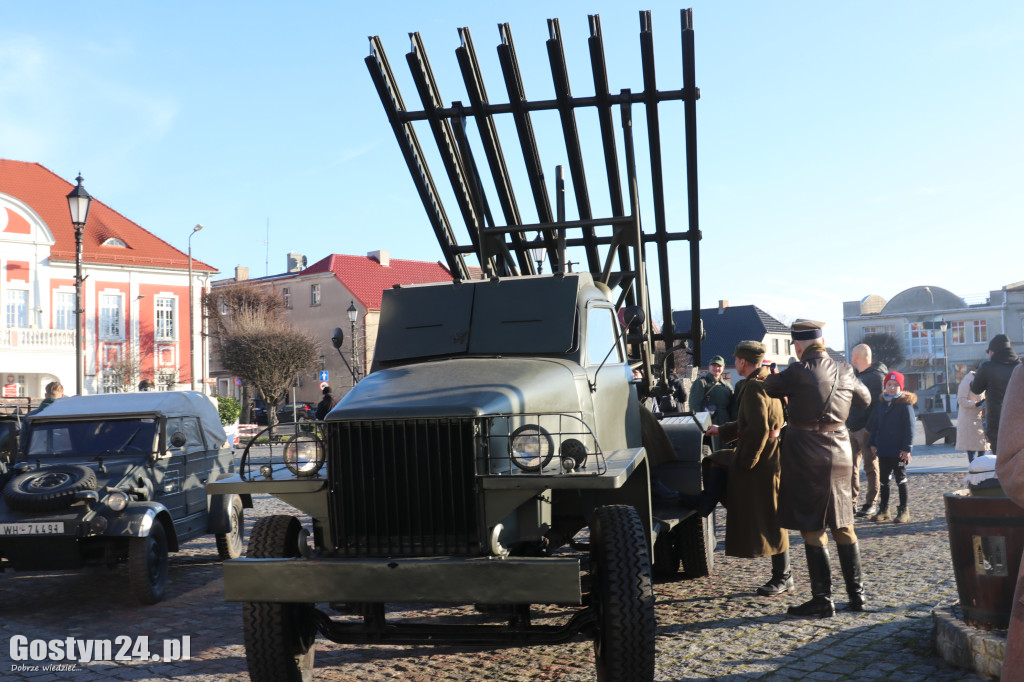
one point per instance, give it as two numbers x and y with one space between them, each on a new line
137 520
683 471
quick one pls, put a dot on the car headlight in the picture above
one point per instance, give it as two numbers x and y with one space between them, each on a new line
532 447
304 454
117 500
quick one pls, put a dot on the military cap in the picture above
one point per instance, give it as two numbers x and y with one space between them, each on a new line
751 351
717 360
806 330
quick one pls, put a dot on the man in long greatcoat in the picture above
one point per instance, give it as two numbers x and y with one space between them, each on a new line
817 463
752 489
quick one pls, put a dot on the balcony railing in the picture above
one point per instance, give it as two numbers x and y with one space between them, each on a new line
37 339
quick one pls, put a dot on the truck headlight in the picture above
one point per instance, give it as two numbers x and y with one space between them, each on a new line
532 447
304 454
117 500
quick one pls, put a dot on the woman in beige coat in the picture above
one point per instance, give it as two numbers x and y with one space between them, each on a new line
970 434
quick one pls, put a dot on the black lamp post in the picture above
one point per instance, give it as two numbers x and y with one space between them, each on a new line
78 203
352 314
191 314
943 326
539 252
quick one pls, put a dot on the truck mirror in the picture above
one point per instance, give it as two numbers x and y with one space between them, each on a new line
634 318
177 439
338 337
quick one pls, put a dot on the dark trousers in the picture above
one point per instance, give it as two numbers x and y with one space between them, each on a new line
894 468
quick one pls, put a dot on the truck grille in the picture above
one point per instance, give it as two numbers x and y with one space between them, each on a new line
403 487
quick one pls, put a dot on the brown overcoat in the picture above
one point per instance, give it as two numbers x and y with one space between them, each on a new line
817 463
751 528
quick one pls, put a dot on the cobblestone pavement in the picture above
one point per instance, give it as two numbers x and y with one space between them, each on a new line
711 628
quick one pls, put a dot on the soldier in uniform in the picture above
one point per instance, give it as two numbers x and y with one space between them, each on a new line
817 465
751 485
710 393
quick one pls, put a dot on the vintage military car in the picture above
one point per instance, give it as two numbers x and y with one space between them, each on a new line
106 479
498 453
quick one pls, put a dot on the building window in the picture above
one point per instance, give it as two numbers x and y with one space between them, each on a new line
314 294
880 329
17 308
223 306
775 346
111 382
980 331
919 341
110 316
286 295
165 319
957 332
166 379
63 311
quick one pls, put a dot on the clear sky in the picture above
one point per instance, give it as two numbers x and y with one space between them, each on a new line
845 149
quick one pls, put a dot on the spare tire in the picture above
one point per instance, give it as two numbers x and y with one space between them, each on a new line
48 488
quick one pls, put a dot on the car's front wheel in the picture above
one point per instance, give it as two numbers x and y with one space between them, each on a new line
147 565
279 638
229 545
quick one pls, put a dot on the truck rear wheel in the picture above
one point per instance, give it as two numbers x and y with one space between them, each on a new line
620 568
279 638
696 543
666 555
147 565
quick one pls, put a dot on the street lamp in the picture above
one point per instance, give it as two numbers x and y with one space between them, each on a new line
352 314
78 203
191 316
943 326
539 252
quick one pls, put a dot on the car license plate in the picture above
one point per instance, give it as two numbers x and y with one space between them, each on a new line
44 528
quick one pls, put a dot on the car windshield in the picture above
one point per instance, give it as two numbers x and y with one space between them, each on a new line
93 438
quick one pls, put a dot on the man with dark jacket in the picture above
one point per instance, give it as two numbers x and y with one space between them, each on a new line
870 374
326 404
817 464
992 377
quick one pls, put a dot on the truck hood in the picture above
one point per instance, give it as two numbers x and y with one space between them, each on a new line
464 387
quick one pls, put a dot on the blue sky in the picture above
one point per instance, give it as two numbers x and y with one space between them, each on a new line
844 149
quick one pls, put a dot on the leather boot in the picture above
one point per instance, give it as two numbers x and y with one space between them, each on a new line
820 572
849 561
782 576
883 506
714 490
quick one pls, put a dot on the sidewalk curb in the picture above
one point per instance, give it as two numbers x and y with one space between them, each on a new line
965 646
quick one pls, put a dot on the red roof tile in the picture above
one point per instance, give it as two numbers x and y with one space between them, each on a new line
46 193
367 279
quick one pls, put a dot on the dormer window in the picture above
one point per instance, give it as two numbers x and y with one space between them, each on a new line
114 241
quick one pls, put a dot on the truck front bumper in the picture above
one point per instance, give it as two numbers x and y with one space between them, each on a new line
435 580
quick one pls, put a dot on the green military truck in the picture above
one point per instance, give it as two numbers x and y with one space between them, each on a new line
498 453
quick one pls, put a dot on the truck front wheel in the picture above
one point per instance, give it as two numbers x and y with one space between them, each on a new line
620 566
279 638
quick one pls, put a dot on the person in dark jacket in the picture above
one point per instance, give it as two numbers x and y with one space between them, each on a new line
326 404
711 393
992 377
870 374
892 436
817 465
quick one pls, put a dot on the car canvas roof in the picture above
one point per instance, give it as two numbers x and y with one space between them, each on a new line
149 403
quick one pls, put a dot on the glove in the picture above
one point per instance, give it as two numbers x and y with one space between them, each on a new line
980 403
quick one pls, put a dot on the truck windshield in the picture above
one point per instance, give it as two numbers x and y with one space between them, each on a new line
93 438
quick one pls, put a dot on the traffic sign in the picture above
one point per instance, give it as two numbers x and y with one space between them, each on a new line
323 385
323 376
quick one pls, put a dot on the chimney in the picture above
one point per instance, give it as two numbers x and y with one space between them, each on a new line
296 262
722 305
241 273
382 257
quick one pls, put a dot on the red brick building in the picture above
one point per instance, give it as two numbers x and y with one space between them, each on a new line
134 296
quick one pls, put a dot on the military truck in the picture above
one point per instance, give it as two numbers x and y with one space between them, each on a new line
498 454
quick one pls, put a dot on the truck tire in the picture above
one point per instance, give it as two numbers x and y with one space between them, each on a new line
48 488
279 638
696 543
666 556
620 569
229 545
147 565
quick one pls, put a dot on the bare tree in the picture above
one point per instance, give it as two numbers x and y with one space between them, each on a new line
885 348
124 372
256 344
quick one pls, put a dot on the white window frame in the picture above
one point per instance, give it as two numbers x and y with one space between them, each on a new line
63 310
956 326
160 331
16 311
981 325
314 294
286 295
112 325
